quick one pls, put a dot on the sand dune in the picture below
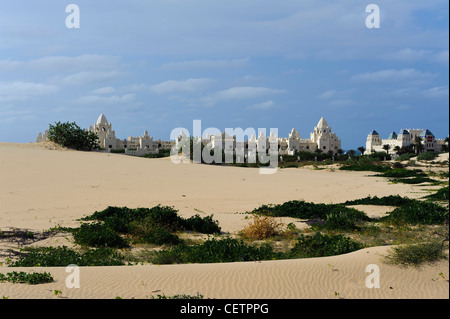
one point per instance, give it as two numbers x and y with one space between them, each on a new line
41 187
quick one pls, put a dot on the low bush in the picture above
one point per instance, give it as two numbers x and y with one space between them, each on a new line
441 194
427 156
405 157
262 227
98 235
214 251
33 278
416 254
319 245
391 200
417 212
142 225
368 167
72 136
403 173
64 256
335 216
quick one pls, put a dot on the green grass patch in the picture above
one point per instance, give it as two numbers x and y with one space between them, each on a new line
154 225
365 167
214 251
441 194
21 277
319 245
427 156
63 256
416 254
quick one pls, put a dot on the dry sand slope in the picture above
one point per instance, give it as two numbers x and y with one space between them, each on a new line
41 188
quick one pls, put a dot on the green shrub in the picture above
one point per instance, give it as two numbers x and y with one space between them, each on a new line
205 225
416 212
33 278
440 195
365 168
214 251
72 136
319 245
405 157
98 235
391 200
345 220
416 254
403 173
64 256
427 156
335 216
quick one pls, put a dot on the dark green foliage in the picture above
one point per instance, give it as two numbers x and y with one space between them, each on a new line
160 154
417 212
214 251
415 180
33 278
409 211
98 235
335 216
367 167
205 225
427 156
345 220
320 245
403 173
145 225
72 136
440 195
405 157
64 256
417 254
391 200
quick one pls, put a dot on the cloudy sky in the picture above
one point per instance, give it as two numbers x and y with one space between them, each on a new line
160 64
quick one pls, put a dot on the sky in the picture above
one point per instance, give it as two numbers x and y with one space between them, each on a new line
158 65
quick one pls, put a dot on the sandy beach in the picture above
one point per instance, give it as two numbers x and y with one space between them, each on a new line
42 187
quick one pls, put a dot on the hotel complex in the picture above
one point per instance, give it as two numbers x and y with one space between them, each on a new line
406 138
321 139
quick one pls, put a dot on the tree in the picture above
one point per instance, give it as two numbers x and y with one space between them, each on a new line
351 152
386 147
397 149
340 151
361 149
418 144
70 135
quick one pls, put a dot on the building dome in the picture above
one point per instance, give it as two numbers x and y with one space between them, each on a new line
102 120
404 132
322 123
393 136
426 133
374 133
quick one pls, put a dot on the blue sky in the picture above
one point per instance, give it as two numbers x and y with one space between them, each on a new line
160 64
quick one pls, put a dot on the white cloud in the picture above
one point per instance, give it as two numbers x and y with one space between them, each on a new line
104 90
408 55
22 91
327 94
88 77
394 76
63 64
262 106
189 85
239 93
437 92
206 64
113 99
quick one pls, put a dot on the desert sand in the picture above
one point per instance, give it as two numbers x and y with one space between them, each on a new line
42 186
